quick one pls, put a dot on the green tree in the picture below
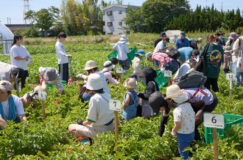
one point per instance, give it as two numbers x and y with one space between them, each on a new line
44 18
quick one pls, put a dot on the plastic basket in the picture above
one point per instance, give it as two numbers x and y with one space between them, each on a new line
53 86
229 120
160 79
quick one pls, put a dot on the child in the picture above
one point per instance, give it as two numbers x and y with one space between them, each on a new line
130 99
108 73
184 119
100 117
137 61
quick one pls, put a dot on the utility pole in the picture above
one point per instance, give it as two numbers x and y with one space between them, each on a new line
26 9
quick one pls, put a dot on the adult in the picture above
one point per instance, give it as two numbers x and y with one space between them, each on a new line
217 35
222 39
148 78
20 57
91 67
50 76
238 34
213 58
184 68
182 41
100 117
161 58
237 57
122 51
10 72
161 45
162 37
108 73
62 56
11 106
185 53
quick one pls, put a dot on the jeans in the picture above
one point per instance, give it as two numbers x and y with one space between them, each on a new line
86 96
239 75
184 141
63 71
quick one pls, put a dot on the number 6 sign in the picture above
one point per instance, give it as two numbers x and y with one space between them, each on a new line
115 105
213 120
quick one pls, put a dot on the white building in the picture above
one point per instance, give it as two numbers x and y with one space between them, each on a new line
6 39
114 19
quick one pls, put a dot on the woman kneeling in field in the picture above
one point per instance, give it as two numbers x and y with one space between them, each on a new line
100 117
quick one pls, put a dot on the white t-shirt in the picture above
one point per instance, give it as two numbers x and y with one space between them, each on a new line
159 46
122 50
19 51
185 114
105 85
99 111
18 104
60 51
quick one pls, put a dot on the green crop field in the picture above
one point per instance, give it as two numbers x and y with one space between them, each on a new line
49 139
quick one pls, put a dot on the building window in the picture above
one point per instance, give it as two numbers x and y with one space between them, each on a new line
109 13
120 23
120 12
109 24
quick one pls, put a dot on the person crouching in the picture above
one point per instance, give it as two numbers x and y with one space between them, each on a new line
100 117
184 119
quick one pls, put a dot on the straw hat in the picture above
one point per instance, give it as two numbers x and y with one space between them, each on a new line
5 86
90 65
233 36
130 83
173 91
94 82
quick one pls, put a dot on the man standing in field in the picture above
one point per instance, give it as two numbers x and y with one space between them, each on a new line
162 37
182 41
62 56
122 51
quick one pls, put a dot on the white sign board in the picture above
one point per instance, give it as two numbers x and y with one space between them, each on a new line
120 71
167 73
42 95
115 105
213 120
230 76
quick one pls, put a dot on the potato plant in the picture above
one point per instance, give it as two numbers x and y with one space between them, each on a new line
138 139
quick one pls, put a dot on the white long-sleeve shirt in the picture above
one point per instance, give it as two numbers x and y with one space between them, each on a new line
21 52
61 52
122 50
185 67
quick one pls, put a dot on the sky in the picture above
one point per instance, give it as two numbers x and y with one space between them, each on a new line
13 9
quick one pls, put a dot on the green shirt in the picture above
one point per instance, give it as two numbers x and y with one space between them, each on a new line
214 58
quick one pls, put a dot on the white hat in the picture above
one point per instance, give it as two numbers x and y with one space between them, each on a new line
90 65
130 83
173 91
108 65
123 38
94 82
5 86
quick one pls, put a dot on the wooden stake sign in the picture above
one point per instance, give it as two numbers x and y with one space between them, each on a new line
115 105
168 73
214 121
42 96
230 77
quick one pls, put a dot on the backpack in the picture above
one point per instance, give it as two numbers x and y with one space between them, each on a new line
193 44
192 79
173 66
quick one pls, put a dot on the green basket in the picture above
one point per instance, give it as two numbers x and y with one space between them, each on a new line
229 120
130 55
53 86
161 79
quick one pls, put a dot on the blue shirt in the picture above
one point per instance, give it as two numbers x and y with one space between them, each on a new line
185 53
179 43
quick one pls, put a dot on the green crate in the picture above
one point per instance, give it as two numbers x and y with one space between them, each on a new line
229 120
160 79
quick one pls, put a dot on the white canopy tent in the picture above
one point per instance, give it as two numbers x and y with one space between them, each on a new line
6 39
